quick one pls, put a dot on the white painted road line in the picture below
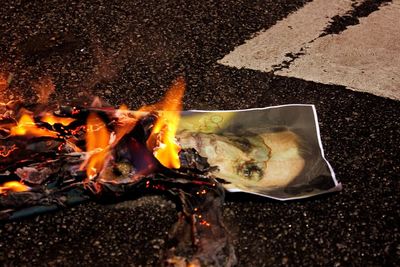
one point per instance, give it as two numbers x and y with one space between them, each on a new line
289 35
364 57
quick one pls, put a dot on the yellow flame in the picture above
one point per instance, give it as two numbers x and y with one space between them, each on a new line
27 126
162 139
97 140
13 186
51 119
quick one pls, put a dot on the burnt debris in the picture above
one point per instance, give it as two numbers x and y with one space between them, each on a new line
41 173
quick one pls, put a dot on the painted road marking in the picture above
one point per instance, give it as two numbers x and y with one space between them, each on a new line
364 57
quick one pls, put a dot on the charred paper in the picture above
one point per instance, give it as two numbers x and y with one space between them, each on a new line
56 158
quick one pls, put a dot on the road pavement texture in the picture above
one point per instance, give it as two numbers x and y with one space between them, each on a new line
129 52
345 42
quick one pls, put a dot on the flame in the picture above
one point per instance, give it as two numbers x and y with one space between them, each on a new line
27 126
97 141
126 121
51 119
162 139
13 186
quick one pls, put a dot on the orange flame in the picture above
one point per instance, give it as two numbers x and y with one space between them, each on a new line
126 121
27 126
13 186
97 141
162 139
51 119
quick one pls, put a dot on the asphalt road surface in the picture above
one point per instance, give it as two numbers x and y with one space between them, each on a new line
129 52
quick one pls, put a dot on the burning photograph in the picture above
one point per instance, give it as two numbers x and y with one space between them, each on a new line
56 156
274 152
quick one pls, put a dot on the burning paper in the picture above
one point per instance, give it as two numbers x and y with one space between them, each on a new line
55 159
51 159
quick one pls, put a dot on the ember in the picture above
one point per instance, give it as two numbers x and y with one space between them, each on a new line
97 152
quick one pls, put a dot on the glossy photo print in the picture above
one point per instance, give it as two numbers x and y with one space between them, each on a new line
274 152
